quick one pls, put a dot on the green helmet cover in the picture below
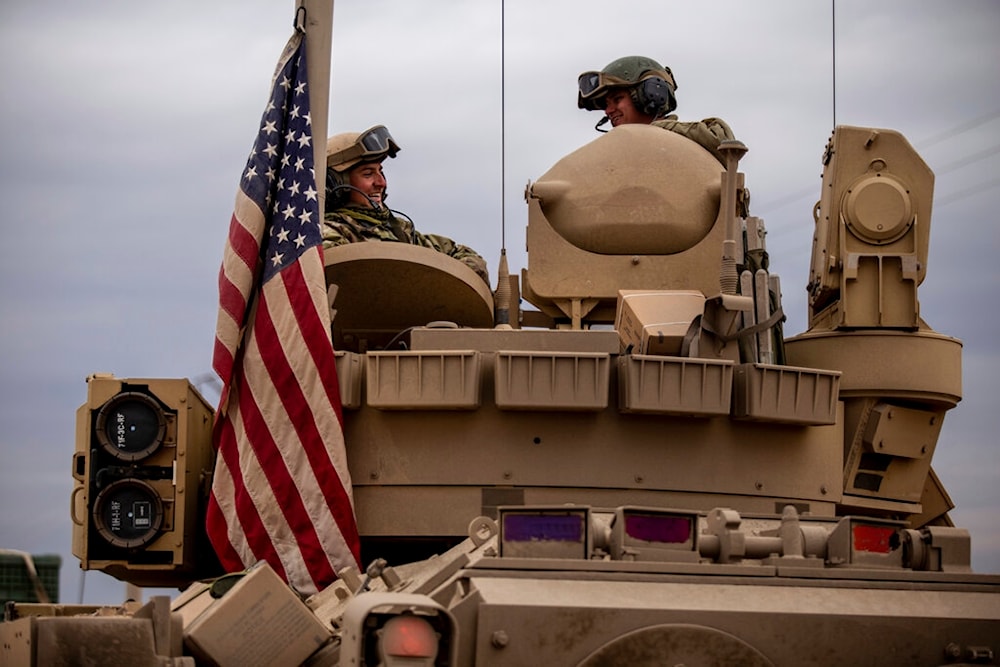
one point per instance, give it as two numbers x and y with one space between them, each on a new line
631 68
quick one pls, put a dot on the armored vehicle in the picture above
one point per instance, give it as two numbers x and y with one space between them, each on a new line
615 457
640 470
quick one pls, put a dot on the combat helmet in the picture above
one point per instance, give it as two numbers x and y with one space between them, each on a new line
650 84
347 149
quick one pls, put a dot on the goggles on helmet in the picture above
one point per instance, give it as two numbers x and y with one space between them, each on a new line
593 84
372 143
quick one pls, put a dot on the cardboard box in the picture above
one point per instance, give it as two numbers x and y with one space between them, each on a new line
260 621
195 599
655 322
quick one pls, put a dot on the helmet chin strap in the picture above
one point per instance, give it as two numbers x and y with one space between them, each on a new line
600 123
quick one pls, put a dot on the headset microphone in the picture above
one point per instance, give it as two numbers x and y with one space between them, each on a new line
371 202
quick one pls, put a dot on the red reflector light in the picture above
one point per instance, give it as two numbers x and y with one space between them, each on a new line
409 636
874 539
658 528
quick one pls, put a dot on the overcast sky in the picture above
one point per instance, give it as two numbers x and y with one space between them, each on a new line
125 126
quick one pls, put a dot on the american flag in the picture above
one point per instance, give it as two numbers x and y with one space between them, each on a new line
281 490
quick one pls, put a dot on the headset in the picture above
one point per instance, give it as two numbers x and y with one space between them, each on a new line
654 96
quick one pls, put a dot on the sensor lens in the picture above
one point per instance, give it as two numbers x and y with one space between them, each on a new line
131 426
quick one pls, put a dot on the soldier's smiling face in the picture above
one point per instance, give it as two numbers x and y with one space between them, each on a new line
369 179
620 109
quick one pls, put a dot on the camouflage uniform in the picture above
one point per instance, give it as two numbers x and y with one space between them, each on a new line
350 224
708 133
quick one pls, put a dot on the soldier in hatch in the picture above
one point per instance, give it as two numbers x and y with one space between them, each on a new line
356 193
636 89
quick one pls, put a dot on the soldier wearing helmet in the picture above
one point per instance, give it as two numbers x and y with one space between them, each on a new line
633 89
356 194
636 89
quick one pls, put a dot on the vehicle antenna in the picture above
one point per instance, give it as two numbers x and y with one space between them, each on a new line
833 47
502 296
503 136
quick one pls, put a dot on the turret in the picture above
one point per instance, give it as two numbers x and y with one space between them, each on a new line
637 208
899 376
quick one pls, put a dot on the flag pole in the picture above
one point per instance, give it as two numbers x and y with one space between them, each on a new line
319 33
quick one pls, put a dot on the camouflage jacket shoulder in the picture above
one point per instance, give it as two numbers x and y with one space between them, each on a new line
351 225
708 132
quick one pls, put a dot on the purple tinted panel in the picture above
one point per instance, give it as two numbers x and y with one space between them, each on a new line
658 528
557 528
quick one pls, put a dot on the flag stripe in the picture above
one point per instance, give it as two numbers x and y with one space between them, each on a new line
289 393
236 280
222 360
313 328
282 511
232 511
242 258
